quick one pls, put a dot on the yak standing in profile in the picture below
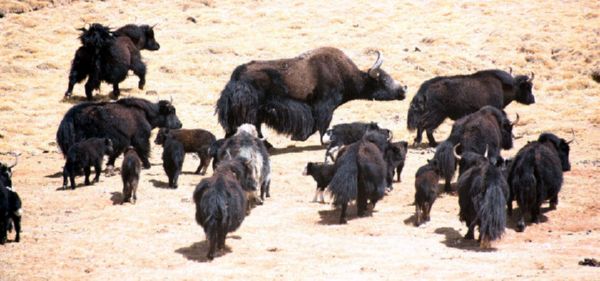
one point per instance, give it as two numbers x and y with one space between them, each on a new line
297 96
10 204
126 122
104 56
456 96
536 175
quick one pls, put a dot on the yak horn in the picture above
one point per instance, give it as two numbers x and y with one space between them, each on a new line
454 152
16 160
516 120
374 71
573 139
391 135
532 76
485 154
510 70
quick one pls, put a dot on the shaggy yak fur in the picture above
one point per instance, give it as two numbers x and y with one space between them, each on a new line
457 96
322 173
10 204
104 56
488 129
194 141
536 175
245 144
482 195
221 201
426 191
130 174
126 122
395 155
348 133
213 152
173 156
83 155
360 173
297 96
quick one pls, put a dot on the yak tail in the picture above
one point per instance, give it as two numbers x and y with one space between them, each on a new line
238 104
344 184
66 135
290 117
213 207
523 182
445 159
96 36
492 213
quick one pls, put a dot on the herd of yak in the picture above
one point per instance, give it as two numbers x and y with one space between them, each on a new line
297 97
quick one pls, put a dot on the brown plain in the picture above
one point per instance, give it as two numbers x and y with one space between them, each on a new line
81 235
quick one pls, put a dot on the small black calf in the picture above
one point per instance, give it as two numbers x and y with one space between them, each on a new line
84 155
173 155
426 186
395 154
130 174
322 173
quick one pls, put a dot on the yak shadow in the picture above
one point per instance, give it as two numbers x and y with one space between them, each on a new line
160 184
197 252
332 216
76 99
294 149
511 220
77 186
454 239
55 175
410 220
116 198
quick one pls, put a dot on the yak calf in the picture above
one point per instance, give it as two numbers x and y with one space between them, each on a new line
426 190
322 173
173 156
84 155
194 141
130 174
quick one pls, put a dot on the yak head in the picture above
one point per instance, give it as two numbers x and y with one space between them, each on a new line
150 42
506 127
561 146
433 163
380 85
469 159
167 117
523 86
161 136
6 172
97 36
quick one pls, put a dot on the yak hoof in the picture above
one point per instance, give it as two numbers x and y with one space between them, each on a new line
553 206
485 244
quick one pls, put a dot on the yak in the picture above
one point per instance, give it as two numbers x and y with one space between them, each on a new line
457 96
10 204
395 155
348 133
245 144
83 155
142 36
194 140
297 96
103 56
536 175
126 122
130 174
360 173
485 131
482 195
173 156
221 201
426 190
322 173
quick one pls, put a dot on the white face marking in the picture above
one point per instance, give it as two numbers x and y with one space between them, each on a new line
19 212
248 128
327 137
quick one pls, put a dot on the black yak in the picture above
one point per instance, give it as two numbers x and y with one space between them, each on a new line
142 36
426 190
456 96
126 122
221 201
130 174
105 57
322 173
83 155
488 129
10 204
173 156
348 133
482 195
360 173
194 140
297 96
536 175
395 155
213 151
245 144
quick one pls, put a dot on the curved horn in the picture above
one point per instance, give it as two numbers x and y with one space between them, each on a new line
516 120
572 133
171 99
16 160
485 154
391 135
151 27
374 70
531 78
510 70
454 152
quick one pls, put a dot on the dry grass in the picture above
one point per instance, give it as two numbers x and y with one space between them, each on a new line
81 235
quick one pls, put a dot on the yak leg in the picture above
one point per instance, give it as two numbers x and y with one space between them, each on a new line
87 170
142 147
470 235
116 91
509 206
399 171
343 214
97 169
3 229
419 136
430 138
176 178
65 176
535 214
212 241
139 69
90 85
16 218
521 219
426 210
418 213
361 202
134 185
448 185
553 202
432 121
323 113
78 70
